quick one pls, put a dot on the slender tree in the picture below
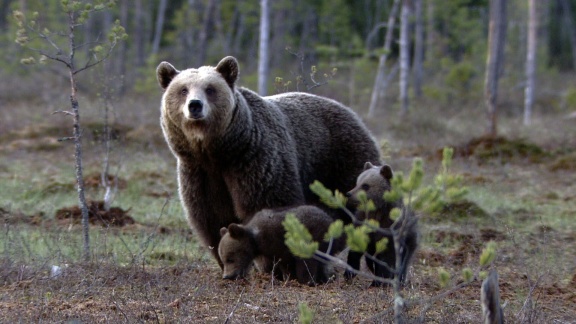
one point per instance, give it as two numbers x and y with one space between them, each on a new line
380 83
404 55
263 60
76 13
159 26
530 61
418 48
494 61
569 27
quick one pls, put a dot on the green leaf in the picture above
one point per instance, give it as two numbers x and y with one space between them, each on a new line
297 238
305 314
334 231
381 245
356 238
443 277
488 254
467 274
333 200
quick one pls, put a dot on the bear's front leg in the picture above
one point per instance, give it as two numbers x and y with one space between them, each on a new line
207 204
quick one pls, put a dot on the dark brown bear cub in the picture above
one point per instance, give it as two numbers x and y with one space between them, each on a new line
262 239
375 181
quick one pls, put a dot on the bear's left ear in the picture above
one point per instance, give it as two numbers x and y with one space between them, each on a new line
165 72
228 68
223 231
236 231
386 172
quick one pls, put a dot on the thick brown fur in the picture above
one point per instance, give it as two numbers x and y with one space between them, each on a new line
375 181
239 153
262 240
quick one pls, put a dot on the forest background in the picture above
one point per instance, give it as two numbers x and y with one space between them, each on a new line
521 181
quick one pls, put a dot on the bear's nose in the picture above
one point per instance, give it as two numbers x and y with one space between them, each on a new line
195 108
348 194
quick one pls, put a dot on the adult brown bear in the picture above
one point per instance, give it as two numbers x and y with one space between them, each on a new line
239 153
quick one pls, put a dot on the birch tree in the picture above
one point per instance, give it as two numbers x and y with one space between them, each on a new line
159 27
418 49
530 61
263 60
494 60
404 55
380 83
30 30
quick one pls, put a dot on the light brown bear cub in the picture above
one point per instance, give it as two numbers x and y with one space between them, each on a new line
262 239
375 181
239 153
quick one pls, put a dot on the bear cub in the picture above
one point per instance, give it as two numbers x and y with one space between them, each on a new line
262 240
375 181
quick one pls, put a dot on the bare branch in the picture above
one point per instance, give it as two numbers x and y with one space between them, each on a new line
65 112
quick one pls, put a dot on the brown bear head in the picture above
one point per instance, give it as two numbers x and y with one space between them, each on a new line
237 250
374 181
199 101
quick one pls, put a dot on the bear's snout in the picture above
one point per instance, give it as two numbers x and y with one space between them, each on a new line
195 108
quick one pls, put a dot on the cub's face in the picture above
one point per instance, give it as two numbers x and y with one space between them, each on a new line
374 180
198 101
236 250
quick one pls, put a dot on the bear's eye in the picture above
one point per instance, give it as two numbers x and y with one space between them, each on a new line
210 91
229 260
184 92
365 187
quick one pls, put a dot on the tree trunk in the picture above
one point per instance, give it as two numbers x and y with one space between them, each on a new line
263 67
139 34
380 83
78 140
404 55
569 24
203 37
430 32
418 49
494 61
530 61
120 58
159 27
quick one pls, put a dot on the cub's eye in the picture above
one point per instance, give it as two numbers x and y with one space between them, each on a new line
365 187
229 260
210 91
184 92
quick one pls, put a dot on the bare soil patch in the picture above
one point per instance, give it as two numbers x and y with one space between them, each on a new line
97 215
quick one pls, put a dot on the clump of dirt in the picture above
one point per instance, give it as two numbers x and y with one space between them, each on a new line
565 162
490 147
460 210
96 215
20 218
490 234
94 180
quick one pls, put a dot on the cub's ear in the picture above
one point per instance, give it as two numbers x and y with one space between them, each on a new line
228 68
165 72
223 231
368 165
386 172
237 231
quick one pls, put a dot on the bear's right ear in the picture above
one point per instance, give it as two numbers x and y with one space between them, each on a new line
228 68
236 231
165 72
223 231
386 172
368 165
